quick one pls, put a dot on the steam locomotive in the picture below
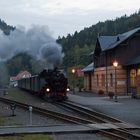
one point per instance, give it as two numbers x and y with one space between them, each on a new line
49 84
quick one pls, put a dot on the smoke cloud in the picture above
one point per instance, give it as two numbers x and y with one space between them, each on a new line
4 78
35 41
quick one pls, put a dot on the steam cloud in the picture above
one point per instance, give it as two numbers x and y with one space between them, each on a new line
3 75
36 41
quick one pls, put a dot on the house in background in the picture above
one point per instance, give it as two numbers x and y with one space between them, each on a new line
123 48
23 74
14 79
88 74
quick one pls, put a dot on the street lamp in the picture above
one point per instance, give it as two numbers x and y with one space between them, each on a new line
115 64
73 72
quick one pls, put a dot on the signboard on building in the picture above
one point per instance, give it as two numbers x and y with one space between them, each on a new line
121 82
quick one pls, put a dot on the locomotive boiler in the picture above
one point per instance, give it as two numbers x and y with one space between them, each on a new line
50 84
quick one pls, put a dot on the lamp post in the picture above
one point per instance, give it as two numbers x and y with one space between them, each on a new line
73 72
115 64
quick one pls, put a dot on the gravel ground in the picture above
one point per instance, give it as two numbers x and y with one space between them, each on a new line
22 116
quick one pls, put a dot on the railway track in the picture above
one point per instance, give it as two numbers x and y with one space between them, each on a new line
89 113
48 113
96 117
119 134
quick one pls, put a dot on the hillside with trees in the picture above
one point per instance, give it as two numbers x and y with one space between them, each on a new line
81 43
21 61
6 28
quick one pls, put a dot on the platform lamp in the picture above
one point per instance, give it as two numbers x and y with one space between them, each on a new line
73 72
115 64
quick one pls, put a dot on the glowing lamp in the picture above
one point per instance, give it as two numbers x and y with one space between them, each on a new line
73 71
115 63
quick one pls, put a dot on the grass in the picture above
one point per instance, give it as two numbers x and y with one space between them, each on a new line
27 137
16 94
2 120
13 92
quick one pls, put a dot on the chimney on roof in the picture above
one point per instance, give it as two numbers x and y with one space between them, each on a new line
98 35
118 39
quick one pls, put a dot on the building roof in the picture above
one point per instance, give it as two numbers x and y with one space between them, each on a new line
110 42
134 61
106 41
13 78
90 67
23 74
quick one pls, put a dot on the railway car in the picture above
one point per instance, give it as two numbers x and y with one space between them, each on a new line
50 84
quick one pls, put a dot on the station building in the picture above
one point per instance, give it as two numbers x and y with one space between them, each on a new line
125 77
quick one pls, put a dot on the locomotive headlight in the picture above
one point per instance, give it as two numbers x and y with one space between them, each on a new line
47 89
68 89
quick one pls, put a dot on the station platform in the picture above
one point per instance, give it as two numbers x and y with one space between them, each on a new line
126 109
8 130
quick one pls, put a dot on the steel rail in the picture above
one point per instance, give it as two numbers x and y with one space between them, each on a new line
48 113
89 113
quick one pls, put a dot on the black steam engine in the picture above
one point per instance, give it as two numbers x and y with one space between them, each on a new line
50 84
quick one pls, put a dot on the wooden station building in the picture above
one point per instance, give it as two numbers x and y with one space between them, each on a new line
102 75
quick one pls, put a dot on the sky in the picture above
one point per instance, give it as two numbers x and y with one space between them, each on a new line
64 17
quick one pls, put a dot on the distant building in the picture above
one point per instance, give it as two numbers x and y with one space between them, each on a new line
23 74
79 73
14 79
123 48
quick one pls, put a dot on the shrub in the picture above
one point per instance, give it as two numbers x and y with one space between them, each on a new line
100 92
111 94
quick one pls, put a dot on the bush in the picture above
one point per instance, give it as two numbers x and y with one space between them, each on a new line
100 92
111 94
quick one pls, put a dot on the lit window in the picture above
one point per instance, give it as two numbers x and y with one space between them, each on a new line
138 72
132 77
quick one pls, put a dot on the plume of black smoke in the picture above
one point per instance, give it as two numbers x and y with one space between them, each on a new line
48 54
36 41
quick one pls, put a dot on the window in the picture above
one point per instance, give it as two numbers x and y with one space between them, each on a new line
111 80
132 77
103 80
97 80
138 72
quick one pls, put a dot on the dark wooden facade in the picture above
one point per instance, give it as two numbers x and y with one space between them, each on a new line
124 50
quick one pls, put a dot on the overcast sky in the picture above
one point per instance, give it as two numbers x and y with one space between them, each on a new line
64 16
